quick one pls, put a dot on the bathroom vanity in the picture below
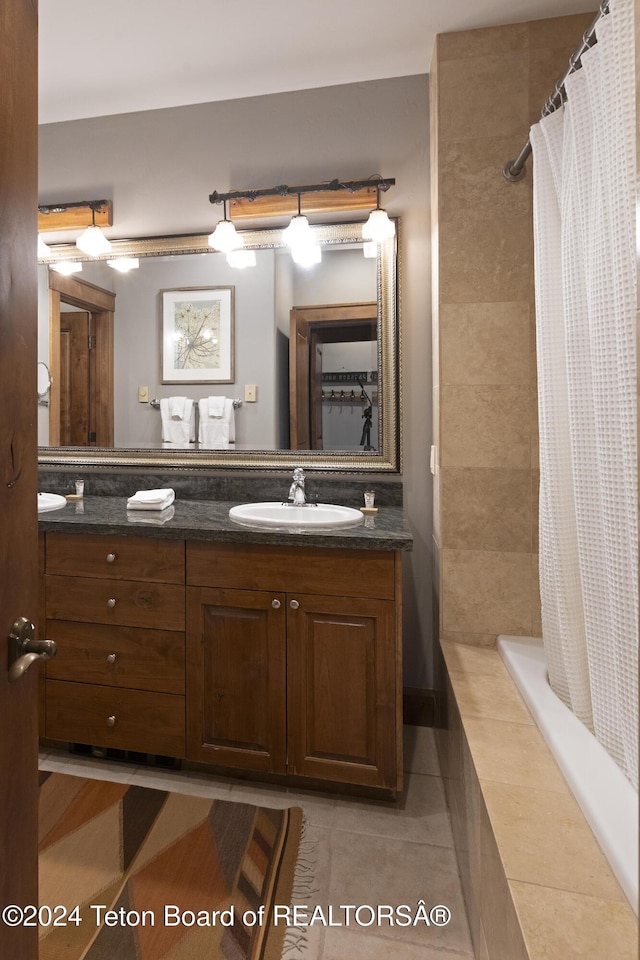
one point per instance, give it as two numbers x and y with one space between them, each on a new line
267 653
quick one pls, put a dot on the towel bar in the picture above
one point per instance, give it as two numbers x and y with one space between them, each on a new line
155 403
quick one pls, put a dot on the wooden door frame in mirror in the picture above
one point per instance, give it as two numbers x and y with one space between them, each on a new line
389 457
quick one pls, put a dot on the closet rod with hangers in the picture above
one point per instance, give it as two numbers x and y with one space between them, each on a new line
515 170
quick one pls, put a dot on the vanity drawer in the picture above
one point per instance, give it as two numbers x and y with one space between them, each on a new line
117 656
342 573
127 558
125 602
108 717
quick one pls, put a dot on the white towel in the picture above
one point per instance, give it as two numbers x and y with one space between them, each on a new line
160 517
178 431
216 432
151 499
216 406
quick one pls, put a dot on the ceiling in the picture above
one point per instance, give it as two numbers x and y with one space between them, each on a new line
148 54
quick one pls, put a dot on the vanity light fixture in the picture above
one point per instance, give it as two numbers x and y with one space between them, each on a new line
332 196
92 240
225 237
378 227
370 249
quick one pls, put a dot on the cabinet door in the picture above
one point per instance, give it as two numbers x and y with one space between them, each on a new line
341 689
236 689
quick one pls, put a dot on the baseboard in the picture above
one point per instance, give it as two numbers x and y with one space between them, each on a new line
423 708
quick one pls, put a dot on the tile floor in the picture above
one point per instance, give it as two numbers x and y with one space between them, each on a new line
363 853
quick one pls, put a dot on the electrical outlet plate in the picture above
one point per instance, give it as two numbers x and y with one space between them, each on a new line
143 394
250 393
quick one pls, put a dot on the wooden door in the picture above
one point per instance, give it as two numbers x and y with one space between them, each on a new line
341 693
74 378
92 350
18 465
236 710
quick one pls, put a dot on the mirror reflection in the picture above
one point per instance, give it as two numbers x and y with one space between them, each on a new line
305 346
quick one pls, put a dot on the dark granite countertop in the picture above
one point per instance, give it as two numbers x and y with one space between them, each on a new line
209 520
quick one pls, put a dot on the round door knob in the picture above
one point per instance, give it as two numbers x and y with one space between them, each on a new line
111 602
275 604
111 721
111 658
111 557
294 604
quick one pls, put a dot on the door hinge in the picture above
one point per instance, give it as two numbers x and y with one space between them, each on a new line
92 341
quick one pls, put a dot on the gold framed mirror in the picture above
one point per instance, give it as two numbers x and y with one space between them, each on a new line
262 433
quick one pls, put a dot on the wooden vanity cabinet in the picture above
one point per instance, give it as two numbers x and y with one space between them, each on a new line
115 607
277 660
298 681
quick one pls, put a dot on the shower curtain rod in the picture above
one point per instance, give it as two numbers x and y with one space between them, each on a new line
515 170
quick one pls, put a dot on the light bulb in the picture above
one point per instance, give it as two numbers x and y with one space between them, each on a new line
241 258
306 254
225 237
370 248
124 264
44 250
378 227
93 242
67 267
298 232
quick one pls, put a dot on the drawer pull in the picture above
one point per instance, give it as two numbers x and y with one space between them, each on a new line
111 557
275 604
111 602
111 721
294 604
111 658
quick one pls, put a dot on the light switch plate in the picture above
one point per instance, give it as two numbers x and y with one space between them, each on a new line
250 393
143 394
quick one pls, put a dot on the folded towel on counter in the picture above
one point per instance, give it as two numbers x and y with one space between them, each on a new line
158 517
178 420
151 499
216 431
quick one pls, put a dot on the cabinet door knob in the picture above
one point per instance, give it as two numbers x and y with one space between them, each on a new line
111 557
294 604
111 602
111 658
275 604
111 721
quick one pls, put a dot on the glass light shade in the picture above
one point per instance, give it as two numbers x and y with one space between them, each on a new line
241 258
44 250
298 232
225 237
67 267
124 264
93 242
378 227
370 249
306 254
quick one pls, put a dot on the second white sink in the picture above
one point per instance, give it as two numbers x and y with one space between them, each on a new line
272 514
50 501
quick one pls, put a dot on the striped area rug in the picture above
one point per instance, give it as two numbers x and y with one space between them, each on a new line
160 876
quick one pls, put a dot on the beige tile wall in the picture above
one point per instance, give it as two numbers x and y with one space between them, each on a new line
487 87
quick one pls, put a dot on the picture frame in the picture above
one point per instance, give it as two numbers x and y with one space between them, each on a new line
198 335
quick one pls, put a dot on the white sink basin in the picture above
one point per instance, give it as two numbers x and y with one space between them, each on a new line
303 517
50 501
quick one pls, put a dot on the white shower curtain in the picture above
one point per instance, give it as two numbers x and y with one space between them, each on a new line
585 275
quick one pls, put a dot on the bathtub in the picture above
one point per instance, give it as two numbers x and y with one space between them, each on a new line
607 799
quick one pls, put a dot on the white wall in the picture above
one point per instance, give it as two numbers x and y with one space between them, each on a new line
159 167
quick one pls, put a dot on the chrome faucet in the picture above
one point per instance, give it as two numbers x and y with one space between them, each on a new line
296 491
